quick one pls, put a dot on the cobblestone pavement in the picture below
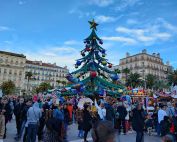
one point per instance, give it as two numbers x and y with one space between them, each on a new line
72 135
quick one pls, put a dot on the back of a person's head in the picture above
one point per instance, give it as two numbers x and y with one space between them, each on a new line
104 132
168 138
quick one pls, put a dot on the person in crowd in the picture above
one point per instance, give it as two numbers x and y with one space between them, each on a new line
104 131
11 103
161 114
70 109
168 138
170 110
6 110
28 104
80 127
122 114
87 121
165 126
109 110
18 112
101 110
53 130
138 118
66 118
33 115
127 118
2 125
58 112
149 124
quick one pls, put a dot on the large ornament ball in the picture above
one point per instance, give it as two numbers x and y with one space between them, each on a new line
78 63
104 63
93 74
103 55
88 49
103 51
110 65
76 66
114 77
101 42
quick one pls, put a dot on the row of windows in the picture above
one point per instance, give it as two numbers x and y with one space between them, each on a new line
141 57
10 72
12 61
45 69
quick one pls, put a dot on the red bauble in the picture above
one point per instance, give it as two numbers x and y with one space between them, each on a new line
87 49
110 65
93 74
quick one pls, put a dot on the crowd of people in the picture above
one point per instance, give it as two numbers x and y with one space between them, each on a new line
47 120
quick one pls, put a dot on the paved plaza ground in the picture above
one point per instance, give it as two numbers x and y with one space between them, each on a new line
72 135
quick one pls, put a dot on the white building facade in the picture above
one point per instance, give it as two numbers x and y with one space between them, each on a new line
44 72
144 64
12 67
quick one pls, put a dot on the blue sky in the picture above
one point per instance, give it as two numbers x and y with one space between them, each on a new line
53 30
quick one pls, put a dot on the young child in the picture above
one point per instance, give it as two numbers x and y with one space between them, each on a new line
149 124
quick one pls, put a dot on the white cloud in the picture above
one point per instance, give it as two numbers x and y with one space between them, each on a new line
123 4
82 14
4 28
72 42
101 3
160 30
132 21
105 19
120 39
62 56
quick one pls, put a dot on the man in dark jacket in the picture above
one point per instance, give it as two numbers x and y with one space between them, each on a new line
18 112
138 118
122 114
109 111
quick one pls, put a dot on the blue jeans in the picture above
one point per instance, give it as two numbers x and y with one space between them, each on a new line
22 128
32 132
139 137
158 129
81 133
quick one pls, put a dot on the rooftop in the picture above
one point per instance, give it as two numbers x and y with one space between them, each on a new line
40 63
12 54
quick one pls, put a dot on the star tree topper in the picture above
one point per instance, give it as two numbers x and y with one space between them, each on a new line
93 24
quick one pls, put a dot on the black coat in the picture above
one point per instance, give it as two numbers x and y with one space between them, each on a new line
87 120
122 112
18 111
138 120
109 112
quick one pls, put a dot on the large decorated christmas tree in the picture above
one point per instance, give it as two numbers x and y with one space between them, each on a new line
94 74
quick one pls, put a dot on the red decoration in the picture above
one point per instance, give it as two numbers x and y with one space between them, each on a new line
93 74
110 65
87 49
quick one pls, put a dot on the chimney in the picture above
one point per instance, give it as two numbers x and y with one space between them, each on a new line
127 54
168 63
154 54
144 51
158 55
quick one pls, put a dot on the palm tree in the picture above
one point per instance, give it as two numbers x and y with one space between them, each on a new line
58 82
134 80
44 86
150 80
63 82
126 71
28 75
172 78
117 71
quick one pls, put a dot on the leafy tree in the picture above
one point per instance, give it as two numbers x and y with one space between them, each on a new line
150 81
134 80
8 87
126 71
172 78
44 86
160 85
117 71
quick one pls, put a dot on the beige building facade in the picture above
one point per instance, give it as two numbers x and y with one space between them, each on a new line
12 67
44 72
144 63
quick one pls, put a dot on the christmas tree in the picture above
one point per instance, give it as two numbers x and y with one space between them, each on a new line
94 74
